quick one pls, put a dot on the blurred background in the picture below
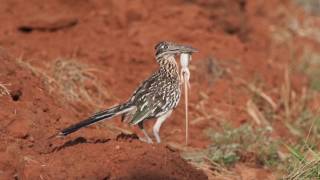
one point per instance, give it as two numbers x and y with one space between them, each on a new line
255 83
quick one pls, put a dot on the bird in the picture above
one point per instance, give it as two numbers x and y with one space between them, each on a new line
155 98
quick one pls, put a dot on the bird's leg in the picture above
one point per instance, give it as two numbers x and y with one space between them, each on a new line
146 138
157 125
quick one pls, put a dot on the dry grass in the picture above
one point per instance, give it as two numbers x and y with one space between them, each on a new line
256 114
72 80
4 90
308 170
297 113
263 95
260 105
304 162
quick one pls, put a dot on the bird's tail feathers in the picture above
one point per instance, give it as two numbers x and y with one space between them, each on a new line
106 114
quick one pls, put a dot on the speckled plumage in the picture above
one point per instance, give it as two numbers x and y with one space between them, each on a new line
156 97
158 94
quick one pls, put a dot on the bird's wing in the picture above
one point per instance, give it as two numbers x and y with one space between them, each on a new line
147 98
140 115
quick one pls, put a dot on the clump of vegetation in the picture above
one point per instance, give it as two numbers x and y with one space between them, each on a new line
234 144
240 144
71 79
308 124
303 163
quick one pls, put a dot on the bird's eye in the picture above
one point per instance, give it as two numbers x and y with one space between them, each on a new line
164 46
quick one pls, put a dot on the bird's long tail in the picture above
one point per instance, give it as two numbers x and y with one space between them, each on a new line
106 114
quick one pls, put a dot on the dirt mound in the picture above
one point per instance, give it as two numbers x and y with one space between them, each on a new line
110 159
28 117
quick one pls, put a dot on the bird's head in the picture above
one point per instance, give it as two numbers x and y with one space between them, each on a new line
165 48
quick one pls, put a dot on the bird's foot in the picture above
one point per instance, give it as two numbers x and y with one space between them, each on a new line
146 140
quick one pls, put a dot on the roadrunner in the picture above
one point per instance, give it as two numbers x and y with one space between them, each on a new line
155 98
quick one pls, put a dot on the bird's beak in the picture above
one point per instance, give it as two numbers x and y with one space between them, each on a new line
184 49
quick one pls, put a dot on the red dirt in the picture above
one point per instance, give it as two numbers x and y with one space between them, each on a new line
110 160
116 39
28 152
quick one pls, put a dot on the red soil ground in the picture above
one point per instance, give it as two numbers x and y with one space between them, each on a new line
115 38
